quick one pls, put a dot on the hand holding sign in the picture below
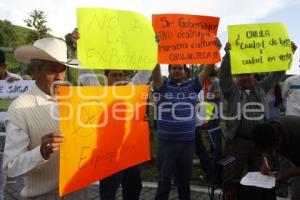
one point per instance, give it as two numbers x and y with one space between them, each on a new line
227 47
218 43
75 37
50 143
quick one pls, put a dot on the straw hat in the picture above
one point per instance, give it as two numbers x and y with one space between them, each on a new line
50 49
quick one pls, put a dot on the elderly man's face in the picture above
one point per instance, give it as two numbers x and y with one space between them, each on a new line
46 75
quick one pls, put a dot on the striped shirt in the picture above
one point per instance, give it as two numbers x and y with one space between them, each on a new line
176 110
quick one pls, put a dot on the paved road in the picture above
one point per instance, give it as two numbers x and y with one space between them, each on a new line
147 192
197 193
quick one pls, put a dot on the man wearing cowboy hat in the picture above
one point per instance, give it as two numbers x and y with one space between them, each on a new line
33 138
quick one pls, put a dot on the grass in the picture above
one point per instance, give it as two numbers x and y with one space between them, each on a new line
4 104
21 33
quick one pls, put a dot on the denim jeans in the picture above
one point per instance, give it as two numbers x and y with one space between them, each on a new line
174 157
130 179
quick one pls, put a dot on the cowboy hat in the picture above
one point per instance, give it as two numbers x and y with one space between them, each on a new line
50 49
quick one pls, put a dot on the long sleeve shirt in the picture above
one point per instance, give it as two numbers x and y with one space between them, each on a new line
237 97
28 119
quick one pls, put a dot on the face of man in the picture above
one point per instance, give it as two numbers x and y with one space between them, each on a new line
3 68
245 81
177 73
47 74
115 76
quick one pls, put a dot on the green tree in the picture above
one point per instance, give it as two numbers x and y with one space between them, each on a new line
1 38
7 34
37 21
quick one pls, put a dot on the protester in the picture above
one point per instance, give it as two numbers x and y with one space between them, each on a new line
291 95
248 94
33 138
213 96
176 100
9 77
275 103
280 135
129 179
4 74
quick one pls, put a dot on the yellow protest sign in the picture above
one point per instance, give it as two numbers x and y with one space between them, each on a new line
115 39
259 48
104 132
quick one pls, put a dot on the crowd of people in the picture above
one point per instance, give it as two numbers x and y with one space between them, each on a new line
252 135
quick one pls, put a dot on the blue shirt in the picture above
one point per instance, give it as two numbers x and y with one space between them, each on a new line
176 109
274 111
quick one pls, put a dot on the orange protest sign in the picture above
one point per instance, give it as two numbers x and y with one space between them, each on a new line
104 132
186 39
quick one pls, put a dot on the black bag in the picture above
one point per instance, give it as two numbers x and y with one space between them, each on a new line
224 171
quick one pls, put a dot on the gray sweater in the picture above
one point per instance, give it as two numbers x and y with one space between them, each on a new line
234 95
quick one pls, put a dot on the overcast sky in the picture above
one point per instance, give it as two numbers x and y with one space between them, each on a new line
61 14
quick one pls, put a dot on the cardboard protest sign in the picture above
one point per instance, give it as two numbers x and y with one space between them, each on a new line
115 39
14 89
104 132
186 39
259 48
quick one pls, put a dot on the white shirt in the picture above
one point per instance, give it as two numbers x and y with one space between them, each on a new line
141 77
10 75
28 119
200 114
87 77
291 95
18 160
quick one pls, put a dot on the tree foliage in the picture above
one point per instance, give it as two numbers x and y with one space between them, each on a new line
7 34
37 21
